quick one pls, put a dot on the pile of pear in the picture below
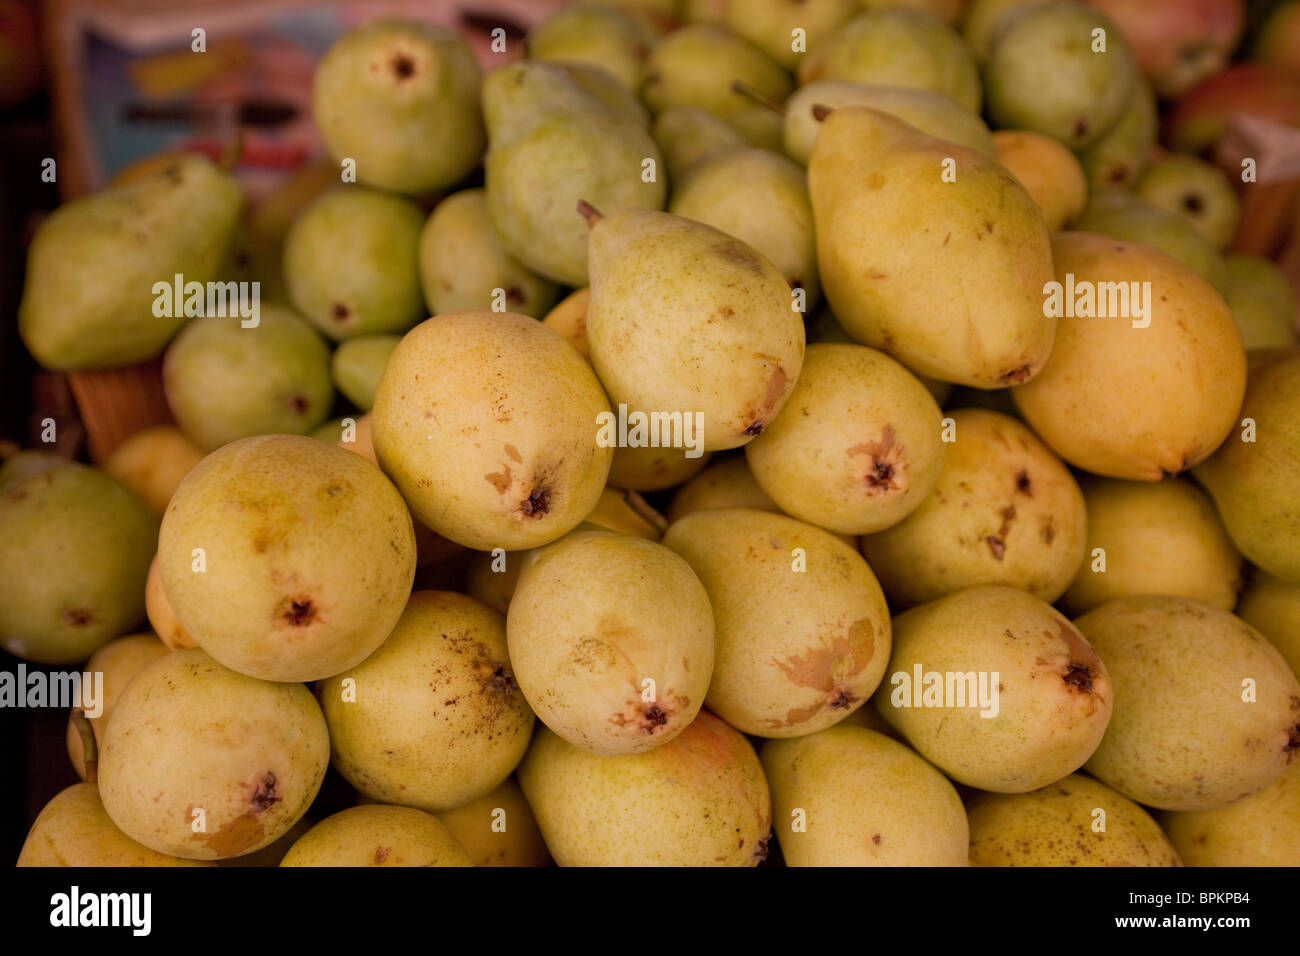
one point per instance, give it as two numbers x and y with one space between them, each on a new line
385 539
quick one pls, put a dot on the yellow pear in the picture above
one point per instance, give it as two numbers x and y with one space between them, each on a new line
498 829
724 484
119 660
152 463
1260 830
169 630
1273 607
1048 170
378 835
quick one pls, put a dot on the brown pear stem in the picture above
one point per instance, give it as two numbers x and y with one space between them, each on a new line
89 751
643 509
820 112
749 93
231 152
589 212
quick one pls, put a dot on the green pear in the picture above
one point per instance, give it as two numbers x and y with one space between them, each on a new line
761 126
73 830
551 144
1253 475
1004 510
1273 608
986 20
1048 170
351 262
1262 829
1049 72
857 448
358 364
378 835
947 277
464 264
225 381
684 318
687 136
698 65
1262 302
119 660
1154 538
997 689
1118 157
262 549
75 547
625 668
761 199
201 762
89 299
726 483
1193 188
1072 822
1149 387
710 801
606 88
848 796
802 626
603 36
498 448
934 114
498 829
152 463
771 24
433 718
897 47
1178 665
400 99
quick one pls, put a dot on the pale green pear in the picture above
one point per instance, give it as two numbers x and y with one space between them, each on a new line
351 262
378 835
1262 302
75 547
934 114
551 144
606 88
761 198
1253 476
1262 829
684 318
762 126
802 626
1273 608
698 66
1072 822
857 448
986 20
612 640
601 35
262 549
357 366
897 47
997 689
1178 666
464 264
1120 155
1053 72
97 265
711 802
687 135
848 796
1193 188
433 718
771 24
1004 510
400 100
263 756
225 380
1153 538
945 276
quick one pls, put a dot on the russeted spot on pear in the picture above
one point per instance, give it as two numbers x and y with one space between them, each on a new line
75 547
802 625
434 717
119 660
699 800
857 447
1262 829
498 829
1159 537
1048 170
1004 510
73 830
997 689
769 25
624 669
499 446
1147 381
848 796
685 318
265 753
1178 665
943 272
286 558
1072 822
378 835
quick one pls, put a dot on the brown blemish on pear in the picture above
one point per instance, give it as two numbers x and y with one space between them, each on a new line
886 470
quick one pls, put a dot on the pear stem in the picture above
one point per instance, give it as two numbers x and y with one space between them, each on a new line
89 751
820 112
749 93
643 510
231 153
589 212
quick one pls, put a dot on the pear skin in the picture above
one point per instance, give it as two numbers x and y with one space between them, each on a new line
724 484
378 835
698 65
161 618
152 463
1262 829
687 135
1273 608
498 829
358 364
1048 170
569 318
602 36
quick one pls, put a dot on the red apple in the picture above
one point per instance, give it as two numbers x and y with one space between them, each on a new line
1177 43
1200 118
20 53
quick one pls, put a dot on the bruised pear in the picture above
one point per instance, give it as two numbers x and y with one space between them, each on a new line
377 835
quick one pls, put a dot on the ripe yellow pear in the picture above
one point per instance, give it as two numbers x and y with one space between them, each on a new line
724 484
152 463
378 835
119 660
498 829
1260 830
1048 170
1273 607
